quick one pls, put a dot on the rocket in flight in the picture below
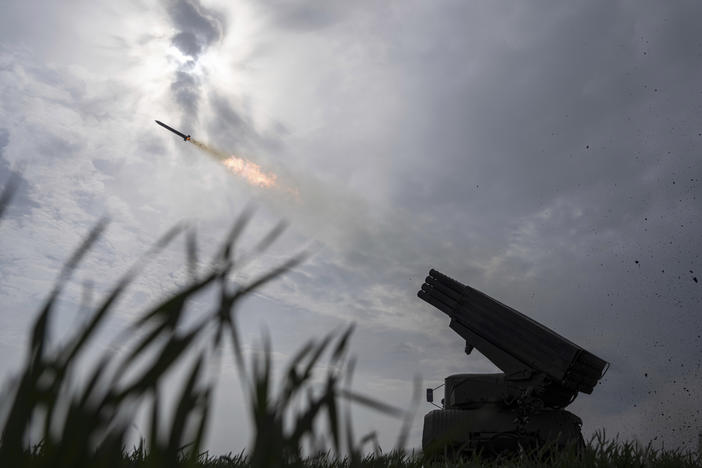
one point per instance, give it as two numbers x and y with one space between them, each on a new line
182 135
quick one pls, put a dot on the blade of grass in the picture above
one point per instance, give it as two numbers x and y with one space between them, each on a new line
169 354
191 253
409 415
39 331
370 403
226 251
341 346
272 274
185 407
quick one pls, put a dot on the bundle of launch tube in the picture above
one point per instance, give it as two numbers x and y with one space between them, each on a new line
524 339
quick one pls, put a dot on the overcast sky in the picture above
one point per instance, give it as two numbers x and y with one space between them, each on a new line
549 154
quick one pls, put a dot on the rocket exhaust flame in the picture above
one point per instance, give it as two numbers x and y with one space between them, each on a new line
250 171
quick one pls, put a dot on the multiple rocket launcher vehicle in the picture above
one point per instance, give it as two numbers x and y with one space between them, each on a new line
523 406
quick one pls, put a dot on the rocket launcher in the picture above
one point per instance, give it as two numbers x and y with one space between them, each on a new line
528 353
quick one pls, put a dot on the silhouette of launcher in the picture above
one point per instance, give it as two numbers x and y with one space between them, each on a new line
542 373
516 344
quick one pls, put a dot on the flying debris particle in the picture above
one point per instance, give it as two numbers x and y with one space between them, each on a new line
694 278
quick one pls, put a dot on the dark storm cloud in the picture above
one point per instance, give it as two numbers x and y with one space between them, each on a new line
187 43
545 116
198 28
186 87
22 202
561 125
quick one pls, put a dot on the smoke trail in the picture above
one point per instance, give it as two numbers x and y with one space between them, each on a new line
325 212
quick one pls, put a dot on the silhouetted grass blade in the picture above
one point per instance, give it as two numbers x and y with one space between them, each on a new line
272 274
187 406
409 416
271 237
191 253
342 344
370 403
226 251
173 350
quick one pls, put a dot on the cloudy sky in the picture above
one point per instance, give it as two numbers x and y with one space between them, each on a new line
547 154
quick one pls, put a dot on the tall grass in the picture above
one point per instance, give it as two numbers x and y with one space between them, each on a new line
88 424
303 419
